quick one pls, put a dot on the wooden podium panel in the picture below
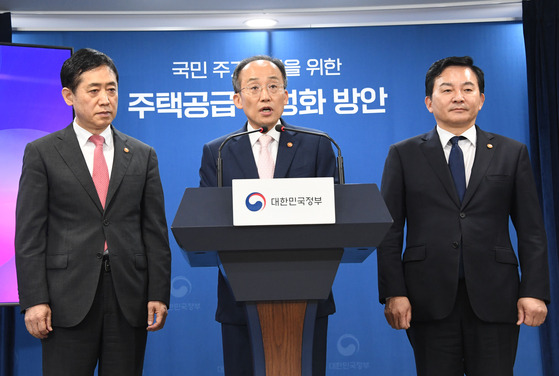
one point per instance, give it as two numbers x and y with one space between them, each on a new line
281 324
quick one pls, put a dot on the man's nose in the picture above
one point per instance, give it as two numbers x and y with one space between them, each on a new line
105 98
458 97
265 94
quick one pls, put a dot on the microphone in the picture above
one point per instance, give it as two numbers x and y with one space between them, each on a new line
262 129
282 128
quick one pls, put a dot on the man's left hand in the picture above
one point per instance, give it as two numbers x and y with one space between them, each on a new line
157 314
531 311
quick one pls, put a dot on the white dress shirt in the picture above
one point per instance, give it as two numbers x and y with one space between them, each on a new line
253 137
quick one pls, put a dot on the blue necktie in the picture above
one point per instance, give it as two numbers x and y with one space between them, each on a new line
458 172
456 164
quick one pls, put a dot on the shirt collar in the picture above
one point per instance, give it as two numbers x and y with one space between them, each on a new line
445 136
255 136
84 135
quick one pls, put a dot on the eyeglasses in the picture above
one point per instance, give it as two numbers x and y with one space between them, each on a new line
255 90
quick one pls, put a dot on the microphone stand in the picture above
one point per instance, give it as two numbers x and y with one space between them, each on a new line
219 165
340 159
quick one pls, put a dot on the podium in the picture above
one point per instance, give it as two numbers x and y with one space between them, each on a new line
280 271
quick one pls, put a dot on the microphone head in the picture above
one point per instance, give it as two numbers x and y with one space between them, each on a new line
263 129
279 128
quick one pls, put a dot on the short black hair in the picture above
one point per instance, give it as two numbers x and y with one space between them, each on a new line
440 65
80 62
245 62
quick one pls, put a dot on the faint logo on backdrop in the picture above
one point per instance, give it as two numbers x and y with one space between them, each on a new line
181 288
348 347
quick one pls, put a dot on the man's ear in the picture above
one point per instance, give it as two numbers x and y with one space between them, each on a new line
238 101
482 101
68 96
428 103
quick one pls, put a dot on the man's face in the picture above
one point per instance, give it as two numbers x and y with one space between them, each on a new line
265 108
456 99
95 99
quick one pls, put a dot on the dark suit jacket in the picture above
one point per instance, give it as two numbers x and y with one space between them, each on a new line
418 189
61 228
308 156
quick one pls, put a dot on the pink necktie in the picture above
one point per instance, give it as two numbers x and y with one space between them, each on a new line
265 161
100 171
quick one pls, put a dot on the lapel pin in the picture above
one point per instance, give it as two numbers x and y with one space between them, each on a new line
489 146
290 144
126 150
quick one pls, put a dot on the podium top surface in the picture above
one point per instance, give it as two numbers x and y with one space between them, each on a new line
204 222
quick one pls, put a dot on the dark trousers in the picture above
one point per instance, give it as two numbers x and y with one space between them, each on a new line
237 352
463 344
104 336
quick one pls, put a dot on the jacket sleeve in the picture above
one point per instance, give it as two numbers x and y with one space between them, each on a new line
155 234
208 168
389 253
31 230
528 222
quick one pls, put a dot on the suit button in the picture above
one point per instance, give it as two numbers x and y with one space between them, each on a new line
106 222
99 255
455 245
462 215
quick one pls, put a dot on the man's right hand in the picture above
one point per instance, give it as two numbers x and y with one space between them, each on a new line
38 320
397 311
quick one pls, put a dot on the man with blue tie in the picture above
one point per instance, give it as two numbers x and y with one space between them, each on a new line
260 85
456 289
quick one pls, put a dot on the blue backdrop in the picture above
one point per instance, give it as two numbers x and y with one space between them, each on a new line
364 86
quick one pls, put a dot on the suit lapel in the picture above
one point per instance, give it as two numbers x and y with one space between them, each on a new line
482 159
242 156
122 157
286 151
434 153
70 151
